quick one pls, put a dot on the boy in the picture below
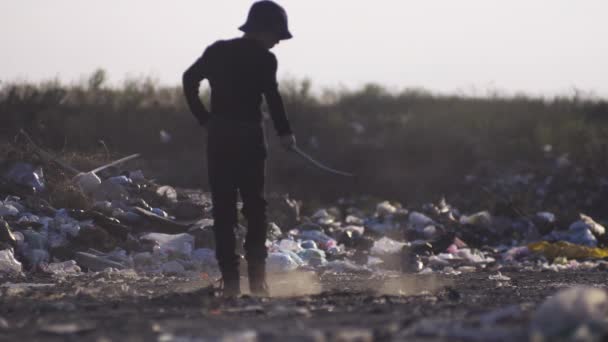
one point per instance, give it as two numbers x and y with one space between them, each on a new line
239 72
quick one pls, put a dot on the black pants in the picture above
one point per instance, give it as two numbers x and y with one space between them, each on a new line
236 162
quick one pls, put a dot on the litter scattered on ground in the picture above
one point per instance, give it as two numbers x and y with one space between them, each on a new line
127 222
575 314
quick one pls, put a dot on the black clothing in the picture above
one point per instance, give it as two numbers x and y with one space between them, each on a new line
257 279
236 162
239 71
267 16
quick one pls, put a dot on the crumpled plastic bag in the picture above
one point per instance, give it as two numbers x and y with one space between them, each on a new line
587 222
481 219
323 240
63 268
181 244
313 257
8 263
289 245
26 174
323 217
385 208
419 221
280 263
387 246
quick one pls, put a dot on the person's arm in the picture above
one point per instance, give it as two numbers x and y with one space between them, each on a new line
191 82
276 106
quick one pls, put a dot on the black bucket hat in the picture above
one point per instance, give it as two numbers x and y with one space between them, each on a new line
267 16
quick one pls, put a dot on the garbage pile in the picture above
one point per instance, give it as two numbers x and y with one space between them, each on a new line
130 222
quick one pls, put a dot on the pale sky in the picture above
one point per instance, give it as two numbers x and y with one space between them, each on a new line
537 46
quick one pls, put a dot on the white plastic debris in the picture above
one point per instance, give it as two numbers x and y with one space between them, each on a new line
63 268
8 263
481 219
588 223
180 244
580 234
274 231
120 180
385 208
168 193
28 218
387 246
351 219
8 210
499 276
419 221
323 217
313 257
473 258
289 245
546 216
322 239
309 244
355 229
87 182
160 212
26 174
442 259
280 263
570 311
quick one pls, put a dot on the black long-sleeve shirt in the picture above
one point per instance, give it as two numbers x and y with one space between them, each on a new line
239 71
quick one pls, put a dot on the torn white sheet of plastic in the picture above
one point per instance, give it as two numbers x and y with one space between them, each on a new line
89 181
387 246
8 263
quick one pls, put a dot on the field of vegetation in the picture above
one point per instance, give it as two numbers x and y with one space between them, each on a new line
408 146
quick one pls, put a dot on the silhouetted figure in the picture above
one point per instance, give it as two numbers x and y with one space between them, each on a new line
240 71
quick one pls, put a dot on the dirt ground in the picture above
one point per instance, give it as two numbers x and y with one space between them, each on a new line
112 306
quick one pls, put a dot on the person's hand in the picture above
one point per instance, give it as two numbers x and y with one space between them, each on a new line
288 141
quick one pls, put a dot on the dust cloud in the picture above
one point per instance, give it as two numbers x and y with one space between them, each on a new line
294 284
411 285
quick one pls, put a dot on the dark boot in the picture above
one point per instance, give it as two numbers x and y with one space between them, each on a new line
257 279
231 286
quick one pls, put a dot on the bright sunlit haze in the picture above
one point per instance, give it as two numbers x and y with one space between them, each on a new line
541 47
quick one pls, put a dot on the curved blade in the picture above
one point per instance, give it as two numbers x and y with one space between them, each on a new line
319 165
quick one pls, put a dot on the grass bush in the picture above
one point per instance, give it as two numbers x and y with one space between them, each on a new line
408 146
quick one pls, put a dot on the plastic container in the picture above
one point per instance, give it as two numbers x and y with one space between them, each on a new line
8 263
179 244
